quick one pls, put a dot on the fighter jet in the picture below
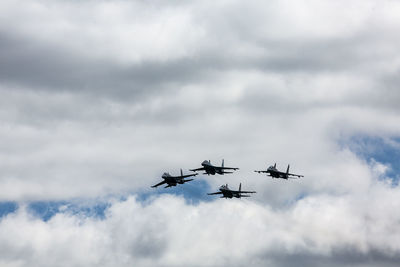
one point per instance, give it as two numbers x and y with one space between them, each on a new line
174 180
211 169
274 173
228 193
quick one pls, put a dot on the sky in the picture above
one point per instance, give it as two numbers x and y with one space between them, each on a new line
99 98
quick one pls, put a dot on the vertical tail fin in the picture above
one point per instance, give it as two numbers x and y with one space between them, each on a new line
287 170
181 173
222 163
240 187
275 165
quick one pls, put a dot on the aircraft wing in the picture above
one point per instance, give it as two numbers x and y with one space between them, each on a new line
163 182
216 193
297 175
195 170
248 192
189 175
228 168
261 171
244 196
188 180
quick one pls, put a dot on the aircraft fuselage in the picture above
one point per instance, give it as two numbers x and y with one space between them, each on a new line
210 169
277 174
228 193
172 180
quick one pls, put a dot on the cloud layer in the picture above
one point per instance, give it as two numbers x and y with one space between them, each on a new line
320 230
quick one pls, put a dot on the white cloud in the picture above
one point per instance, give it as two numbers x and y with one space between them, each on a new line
119 30
168 232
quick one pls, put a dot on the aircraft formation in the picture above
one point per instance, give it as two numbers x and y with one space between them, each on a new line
224 190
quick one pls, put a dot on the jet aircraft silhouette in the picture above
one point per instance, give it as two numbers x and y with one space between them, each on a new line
274 173
174 180
211 169
228 193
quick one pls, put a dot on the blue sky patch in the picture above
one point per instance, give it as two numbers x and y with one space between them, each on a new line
383 150
47 209
44 210
7 207
193 192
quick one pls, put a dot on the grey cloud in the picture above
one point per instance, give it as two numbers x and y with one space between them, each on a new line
25 63
343 257
33 62
149 245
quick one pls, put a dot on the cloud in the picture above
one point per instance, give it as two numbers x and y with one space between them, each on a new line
166 231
